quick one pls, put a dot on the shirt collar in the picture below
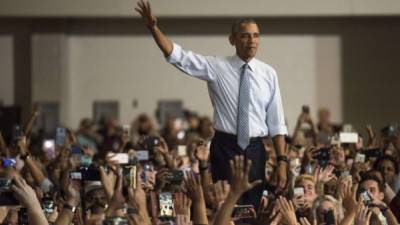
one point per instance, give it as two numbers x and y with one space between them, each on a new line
238 63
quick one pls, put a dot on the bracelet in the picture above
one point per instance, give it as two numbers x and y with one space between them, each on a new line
24 157
203 168
283 158
384 209
70 207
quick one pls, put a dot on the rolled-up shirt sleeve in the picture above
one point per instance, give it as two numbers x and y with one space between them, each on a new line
275 116
191 63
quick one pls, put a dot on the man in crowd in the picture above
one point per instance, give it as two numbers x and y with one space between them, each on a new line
245 95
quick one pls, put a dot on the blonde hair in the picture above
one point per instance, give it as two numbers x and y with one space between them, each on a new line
302 178
336 203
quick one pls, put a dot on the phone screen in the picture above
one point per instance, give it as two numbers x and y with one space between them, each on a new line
142 155
243 212
182 150
60 136
360 158
329 217
129 173
120 158
298 191
49 148
166 204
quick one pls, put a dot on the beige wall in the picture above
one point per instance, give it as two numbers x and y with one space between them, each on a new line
6 70
364 51
132 68
371 79
328 53
203 8
47 51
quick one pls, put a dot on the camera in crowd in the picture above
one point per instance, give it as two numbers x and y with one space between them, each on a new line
48 205
366 197
323 156
86 171
6 196
329 217
87 174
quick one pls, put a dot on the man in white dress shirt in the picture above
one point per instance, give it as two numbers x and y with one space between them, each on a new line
246 99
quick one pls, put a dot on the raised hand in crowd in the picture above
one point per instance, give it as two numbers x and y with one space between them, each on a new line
324 174
162 179
202 154
239 184
117 200
287 210
44 183
372 141
363 215
27 197
108 179
72 201
34 115
195 192
308 158
182 208
347 193
217 193
338 157
137 211
268 213
162 150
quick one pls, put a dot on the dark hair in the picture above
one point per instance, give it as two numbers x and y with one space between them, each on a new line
237 23
389 158
374 172
367 177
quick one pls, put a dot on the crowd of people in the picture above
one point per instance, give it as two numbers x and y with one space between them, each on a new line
137 174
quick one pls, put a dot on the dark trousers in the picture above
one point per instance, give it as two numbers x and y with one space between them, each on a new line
223 148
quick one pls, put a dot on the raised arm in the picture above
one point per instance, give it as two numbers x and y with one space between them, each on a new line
32 119
191 63
239 185
165 45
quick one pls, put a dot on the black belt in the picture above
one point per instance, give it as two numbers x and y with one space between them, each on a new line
224 135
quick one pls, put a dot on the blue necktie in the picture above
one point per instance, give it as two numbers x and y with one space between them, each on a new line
243 108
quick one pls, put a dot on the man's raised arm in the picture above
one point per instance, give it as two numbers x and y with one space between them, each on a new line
143 7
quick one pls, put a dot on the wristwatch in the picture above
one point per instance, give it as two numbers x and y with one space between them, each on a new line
70 207
282 158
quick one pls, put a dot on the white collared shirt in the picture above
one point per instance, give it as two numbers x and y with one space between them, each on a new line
266 115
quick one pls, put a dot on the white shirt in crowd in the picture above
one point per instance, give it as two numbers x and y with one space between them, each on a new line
266 115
